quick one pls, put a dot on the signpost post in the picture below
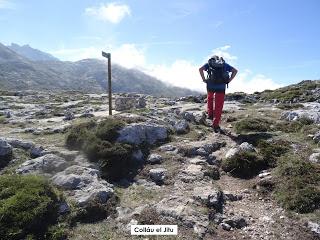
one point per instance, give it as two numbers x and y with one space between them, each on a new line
108 55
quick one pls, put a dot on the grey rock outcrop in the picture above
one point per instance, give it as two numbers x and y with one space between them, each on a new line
158 174
154 158
48 164
316 137
315 157
139 133
17 143
84 185
311 111
5 152
243 147
126 103
182 127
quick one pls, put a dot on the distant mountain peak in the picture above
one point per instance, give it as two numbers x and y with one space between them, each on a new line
32 54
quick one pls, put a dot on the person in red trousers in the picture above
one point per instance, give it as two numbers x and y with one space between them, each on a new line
216 89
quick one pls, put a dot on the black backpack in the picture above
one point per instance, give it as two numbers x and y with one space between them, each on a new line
216 71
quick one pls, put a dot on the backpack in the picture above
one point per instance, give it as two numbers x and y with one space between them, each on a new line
216 71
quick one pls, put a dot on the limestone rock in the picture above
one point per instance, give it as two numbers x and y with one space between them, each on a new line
49 163
157 174
5 152
315 157
182 127
138 133
84 185
17 143
154 159
243 147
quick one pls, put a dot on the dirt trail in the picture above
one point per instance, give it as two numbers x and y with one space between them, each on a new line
266 219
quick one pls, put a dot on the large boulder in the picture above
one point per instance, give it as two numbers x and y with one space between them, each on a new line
139 133
5 153
47 164
83 185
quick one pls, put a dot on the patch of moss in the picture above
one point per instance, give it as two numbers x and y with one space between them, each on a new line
28 206
297 187
243 165
252 125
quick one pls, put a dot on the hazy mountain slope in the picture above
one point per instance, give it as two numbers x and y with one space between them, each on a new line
8 55
89 75
31 53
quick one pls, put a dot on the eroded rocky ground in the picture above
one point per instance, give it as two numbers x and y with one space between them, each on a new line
180 180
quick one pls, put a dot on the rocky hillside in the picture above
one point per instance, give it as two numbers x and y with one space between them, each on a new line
32 71
157 161
31 53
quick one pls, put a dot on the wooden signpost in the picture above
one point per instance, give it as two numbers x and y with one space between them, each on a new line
108 55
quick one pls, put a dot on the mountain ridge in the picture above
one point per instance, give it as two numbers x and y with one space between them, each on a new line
18 72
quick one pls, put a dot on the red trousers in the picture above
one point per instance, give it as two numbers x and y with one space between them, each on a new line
218 98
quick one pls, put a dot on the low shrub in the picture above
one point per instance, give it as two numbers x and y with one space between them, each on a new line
252 125
3 119
28 206
294 126
212 172
297 187
78 135
287 106
243 164
97 141
113 158
94 211
108 129
272 150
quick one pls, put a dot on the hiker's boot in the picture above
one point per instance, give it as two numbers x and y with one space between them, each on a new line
217 129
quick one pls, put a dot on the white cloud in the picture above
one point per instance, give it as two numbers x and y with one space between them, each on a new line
247 81
222 52
129 56
180 73
111 12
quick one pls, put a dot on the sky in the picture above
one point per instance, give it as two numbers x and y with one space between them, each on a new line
272 43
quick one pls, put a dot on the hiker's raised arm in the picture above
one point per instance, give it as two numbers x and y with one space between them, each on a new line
233 74
201 71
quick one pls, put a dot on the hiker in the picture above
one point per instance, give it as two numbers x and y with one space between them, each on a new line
218 78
